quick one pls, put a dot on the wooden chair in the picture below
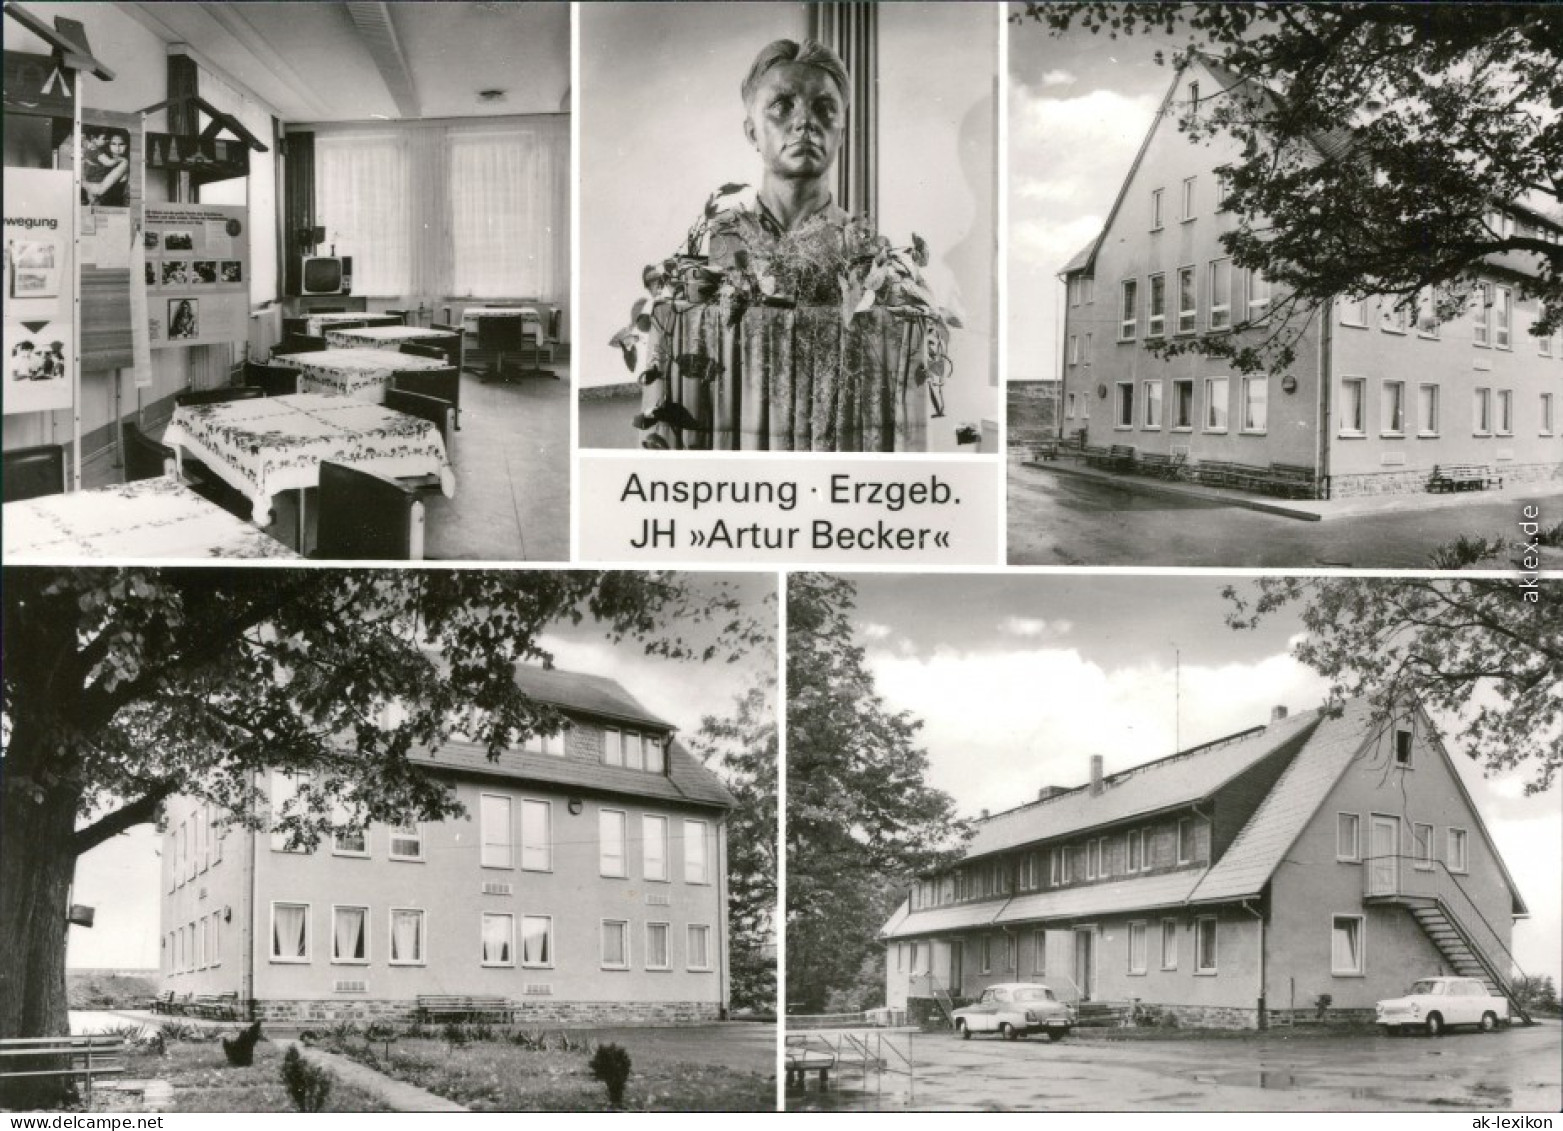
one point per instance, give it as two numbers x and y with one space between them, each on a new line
497 336
273 380
454 346
31 473
363 516
437 412
442 383
145 458
219 395
294 327
301 343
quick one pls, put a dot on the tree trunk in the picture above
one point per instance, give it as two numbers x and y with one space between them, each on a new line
37 863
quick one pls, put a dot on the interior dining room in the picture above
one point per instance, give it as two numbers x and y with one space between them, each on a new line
287 280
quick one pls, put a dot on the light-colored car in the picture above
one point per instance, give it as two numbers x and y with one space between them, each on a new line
1016 1009
1435 1004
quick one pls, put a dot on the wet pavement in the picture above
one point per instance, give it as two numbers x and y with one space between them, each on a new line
1063 519
1515 1070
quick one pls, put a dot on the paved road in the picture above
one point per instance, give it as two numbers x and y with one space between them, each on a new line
1060 519
746 1046
1517 1070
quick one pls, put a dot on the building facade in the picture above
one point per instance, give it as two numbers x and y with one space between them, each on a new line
1377 395
1316 861
587 882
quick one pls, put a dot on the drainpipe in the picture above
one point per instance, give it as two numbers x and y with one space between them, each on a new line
1326 344
723 990
1259 917
247 924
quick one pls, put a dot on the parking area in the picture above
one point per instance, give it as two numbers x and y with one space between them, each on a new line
1515 1070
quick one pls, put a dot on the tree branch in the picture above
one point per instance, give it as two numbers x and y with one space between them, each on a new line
138 812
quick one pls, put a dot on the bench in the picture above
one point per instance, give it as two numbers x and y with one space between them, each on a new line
1119 457
75 1058
217 1007
1161 466
464 1007
1462 477
801 1060
162 1003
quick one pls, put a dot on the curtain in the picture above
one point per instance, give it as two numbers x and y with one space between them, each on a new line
613 945
348 940
497 930
494 813
694 852
289 922
407 936
536 836
363 197
536 940
656 946
654 847
298 205
610 834
258 190
698 949
509 210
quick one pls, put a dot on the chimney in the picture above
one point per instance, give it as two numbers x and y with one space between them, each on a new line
983 816
1277 714
1096 774
1051 791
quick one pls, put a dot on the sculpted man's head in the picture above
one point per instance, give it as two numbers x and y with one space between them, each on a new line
795 108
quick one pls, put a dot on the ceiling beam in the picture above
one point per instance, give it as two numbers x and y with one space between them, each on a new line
373 20
232 20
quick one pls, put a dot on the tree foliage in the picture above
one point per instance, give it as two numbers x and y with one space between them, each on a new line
1376 140
860 818
123 687
1475 650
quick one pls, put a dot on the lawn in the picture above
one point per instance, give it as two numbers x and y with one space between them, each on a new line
501 1076
204 1081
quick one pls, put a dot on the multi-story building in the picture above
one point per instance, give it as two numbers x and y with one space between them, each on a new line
1377 394
1321 859
586 882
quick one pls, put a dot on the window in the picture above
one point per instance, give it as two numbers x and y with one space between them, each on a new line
1074 290
363 189
537 836
1546 414
1347 826
494 816
406 936
1128 309
1169 944
1205 945
699 947
1069 864
654 848
537 940
1258 293
1188 301
1156 195
1039 952
1132 849
1353 406
1256 403
348 837
1403 747
217 941
657 957
1392 409
1074 349
407 841
1215 404
1422 845
1502 316
1480 313
634 751
1123 416
1223 190
615 944
198 832
610 842
1093 858
1183 404
1185 840
1012 954
1220 294
1188 194
1069 405
284 802
1346 944
1427 312
1354 312
1156 323
1089 338
350 935
1139 948
1393 316
510 194
1505 412
1456 857
499 939
550 744
1481 412
289 932
1427 410
1055 866
612 747
985 954
1152 398
695 870
200 944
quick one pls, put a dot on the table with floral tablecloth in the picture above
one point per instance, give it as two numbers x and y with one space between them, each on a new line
267 445
150 518
364 374
318 324
470 316
383 337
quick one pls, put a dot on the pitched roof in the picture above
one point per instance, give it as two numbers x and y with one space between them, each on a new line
591 694
1153 787
1166 890
686 780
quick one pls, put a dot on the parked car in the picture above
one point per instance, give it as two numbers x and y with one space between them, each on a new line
1016 1009
1435 1004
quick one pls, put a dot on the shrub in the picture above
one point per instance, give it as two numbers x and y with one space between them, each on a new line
454 1034
177 1031
611 1065
240 1048
382 1034
530 1041
308 1085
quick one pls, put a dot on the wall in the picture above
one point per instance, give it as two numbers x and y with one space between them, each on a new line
1311 885
217 890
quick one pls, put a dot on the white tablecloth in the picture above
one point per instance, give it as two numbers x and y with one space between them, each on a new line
151 518
382 336
319 323
267 445
363 374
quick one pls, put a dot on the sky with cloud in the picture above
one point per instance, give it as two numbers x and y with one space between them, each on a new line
1079 108
1020 679
120 878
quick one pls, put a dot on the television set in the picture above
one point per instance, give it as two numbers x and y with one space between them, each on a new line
326 275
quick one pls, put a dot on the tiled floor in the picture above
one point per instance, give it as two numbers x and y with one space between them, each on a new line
512 460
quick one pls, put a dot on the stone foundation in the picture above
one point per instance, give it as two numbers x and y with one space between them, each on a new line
527 1013
1414 481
